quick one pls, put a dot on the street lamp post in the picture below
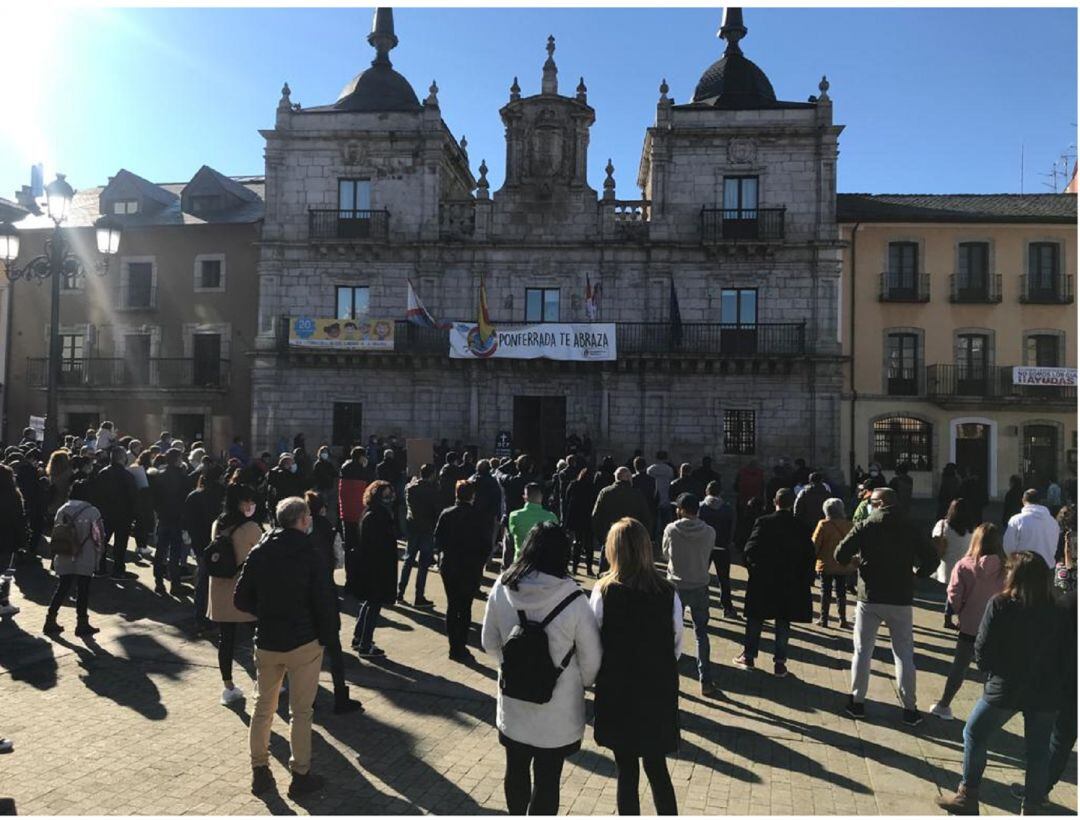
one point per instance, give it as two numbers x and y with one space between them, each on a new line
55 263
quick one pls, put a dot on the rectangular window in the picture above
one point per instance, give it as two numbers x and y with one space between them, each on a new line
738 320
124 207
137 358
1042 350
974 269
541 304
740 197
739 432
1043 261
972 364
902 364
353 195
206 356
210 274
140 285
902 440
71 278
903 266
352 303
71 357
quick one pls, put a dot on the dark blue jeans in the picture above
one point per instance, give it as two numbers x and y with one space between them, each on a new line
364 634
422 544
170 548
753 639
981 724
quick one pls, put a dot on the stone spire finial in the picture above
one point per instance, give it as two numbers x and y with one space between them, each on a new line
285 104
609 181
732 29
550 83
433 95
515 91
582 91
464 145
663 91
382 37
823 87
482 184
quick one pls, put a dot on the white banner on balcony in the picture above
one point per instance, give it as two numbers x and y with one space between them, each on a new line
565 342
1045 376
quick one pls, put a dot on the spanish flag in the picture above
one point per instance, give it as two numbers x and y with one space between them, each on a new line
483 321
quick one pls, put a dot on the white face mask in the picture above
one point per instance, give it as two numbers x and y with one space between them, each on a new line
292 468
324 456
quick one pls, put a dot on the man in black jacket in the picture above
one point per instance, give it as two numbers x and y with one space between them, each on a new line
284 481
284 585
779 556
646 485
489 502
116 488
422 511
170 488
889 548
461 538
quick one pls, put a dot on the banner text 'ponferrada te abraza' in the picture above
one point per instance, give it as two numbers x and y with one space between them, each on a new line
564 342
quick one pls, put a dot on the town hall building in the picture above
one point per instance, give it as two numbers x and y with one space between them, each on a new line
718 286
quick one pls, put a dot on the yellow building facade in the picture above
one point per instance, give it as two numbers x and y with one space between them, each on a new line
943 297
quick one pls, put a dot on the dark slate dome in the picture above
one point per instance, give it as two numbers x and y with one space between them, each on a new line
378 89
735 82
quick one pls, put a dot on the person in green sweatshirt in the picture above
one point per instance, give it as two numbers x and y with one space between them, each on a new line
522 521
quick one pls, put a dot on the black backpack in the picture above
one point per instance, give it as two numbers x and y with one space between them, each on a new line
527 672
220 557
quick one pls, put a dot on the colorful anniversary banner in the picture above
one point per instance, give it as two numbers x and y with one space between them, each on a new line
342 334
565 342
1045 376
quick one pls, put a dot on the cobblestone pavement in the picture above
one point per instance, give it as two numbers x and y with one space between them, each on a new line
129 723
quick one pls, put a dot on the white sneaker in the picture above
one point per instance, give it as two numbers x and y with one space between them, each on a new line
943 712
230 696
6 745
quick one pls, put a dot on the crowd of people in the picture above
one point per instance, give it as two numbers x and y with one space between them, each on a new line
269 532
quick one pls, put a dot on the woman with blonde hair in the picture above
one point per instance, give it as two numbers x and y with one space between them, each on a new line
637 689
976 578
60 476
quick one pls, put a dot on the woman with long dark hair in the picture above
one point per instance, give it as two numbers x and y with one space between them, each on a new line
371 568
12 516
238 520
1020 648
580 500
952 537
976 578
542 735
637 689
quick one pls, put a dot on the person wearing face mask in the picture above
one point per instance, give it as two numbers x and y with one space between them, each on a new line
284 481
238 520
324 481
371 569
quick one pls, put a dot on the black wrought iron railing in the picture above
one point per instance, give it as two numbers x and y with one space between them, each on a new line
968 289
952 381
904 287
168 373
348 224
733 225
632 339
1036 289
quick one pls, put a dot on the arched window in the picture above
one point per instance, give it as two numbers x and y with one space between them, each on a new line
900 439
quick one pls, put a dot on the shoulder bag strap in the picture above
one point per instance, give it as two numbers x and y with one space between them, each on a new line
524 621
563 604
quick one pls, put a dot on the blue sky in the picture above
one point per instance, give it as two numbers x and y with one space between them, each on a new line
933 100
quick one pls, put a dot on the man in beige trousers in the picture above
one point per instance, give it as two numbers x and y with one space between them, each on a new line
283 584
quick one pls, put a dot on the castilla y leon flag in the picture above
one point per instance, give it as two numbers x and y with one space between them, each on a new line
483 321
416 313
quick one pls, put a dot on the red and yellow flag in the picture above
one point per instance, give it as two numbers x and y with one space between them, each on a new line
484 319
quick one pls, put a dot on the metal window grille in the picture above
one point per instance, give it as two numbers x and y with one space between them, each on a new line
899 440
739 432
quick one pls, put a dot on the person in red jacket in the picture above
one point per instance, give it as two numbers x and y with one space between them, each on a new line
354 478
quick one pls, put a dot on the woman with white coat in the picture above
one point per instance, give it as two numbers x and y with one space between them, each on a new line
542 735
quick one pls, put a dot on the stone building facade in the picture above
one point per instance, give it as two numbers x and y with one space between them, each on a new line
722 278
